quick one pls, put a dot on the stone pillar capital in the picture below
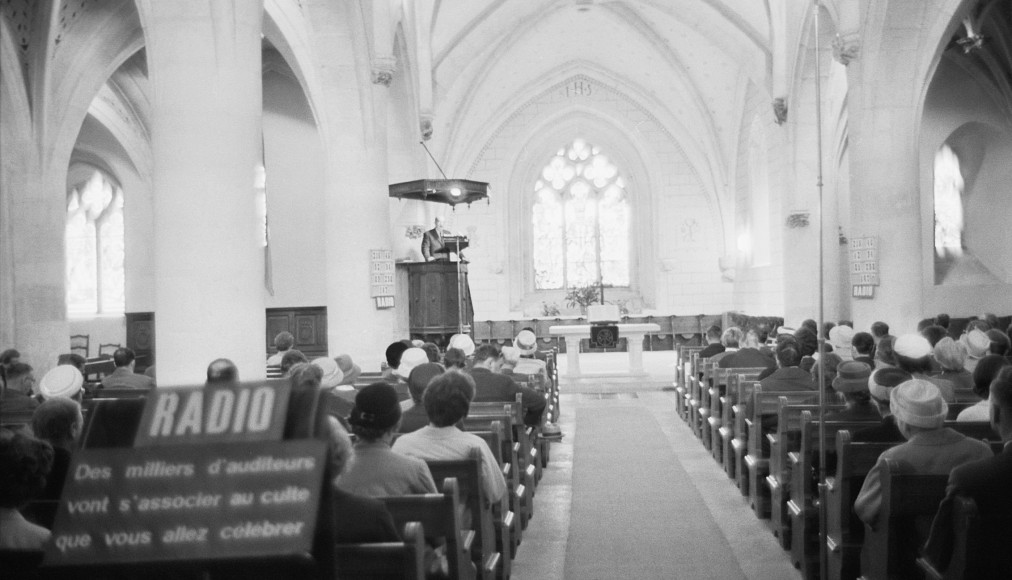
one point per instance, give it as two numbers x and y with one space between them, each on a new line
383 69
846 47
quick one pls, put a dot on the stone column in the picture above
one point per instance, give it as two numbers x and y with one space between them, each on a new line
882 102
204 61
357 207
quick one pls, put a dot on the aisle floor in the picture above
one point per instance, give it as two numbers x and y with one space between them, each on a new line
543 552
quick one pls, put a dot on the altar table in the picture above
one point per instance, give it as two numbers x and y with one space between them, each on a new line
633 333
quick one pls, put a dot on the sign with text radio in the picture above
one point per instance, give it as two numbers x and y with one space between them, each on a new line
864 271
186 502
254 411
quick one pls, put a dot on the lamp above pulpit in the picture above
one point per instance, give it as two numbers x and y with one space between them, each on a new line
449 191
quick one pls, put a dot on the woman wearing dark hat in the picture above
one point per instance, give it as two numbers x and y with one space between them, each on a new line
852 382
375 470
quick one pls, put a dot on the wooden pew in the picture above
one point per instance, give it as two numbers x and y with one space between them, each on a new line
520 497
467 472
909 503
717 398
728 426
693 400
785 440
969 552
741 434
441 516
756 460
845 532
507 528
801 507
384 561
683 370
528 438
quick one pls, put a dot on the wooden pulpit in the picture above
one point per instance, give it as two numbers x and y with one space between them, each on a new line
439 299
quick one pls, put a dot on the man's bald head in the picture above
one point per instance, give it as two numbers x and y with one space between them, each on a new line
222 370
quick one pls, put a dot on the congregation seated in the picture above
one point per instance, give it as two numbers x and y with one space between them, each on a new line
788 376
283 341
747 355
852 382
885 356
349 370
492 386
124 377
18 386
864 348
930 448
730 339
25 463
951 358
415 417
713 344
374 469
879 330
447 401
393 355
977 346
222 371
983 374
455 359
291 358
988 483
1001 345
527 364
880 386
58 421
914 355
841 336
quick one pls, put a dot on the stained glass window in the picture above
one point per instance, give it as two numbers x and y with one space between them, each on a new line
581 221
94 248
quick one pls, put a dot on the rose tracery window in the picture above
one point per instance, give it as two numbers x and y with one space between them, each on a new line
94 248
581 220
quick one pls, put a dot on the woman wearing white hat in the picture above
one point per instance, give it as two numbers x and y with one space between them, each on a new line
930 448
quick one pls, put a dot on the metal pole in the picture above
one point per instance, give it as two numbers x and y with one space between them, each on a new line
823 549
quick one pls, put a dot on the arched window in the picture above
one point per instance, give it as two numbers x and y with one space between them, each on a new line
581 221
94 242
948 203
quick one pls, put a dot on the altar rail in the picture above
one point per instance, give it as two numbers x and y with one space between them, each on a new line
675 330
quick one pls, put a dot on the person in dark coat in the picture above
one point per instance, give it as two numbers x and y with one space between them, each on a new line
492 386
989 483
415 417
713 345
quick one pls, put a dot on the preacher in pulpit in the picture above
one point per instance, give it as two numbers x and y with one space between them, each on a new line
432 243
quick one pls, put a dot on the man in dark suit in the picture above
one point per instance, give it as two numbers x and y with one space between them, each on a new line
713 345
124 376
989 483
490 385
432 243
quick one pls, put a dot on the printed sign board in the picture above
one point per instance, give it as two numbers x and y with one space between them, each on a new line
864 272
252 411
185 502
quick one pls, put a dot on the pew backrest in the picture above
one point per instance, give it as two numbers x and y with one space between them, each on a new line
402 560
909 503
441 517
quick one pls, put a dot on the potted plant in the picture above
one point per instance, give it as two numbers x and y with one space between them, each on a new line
583 296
